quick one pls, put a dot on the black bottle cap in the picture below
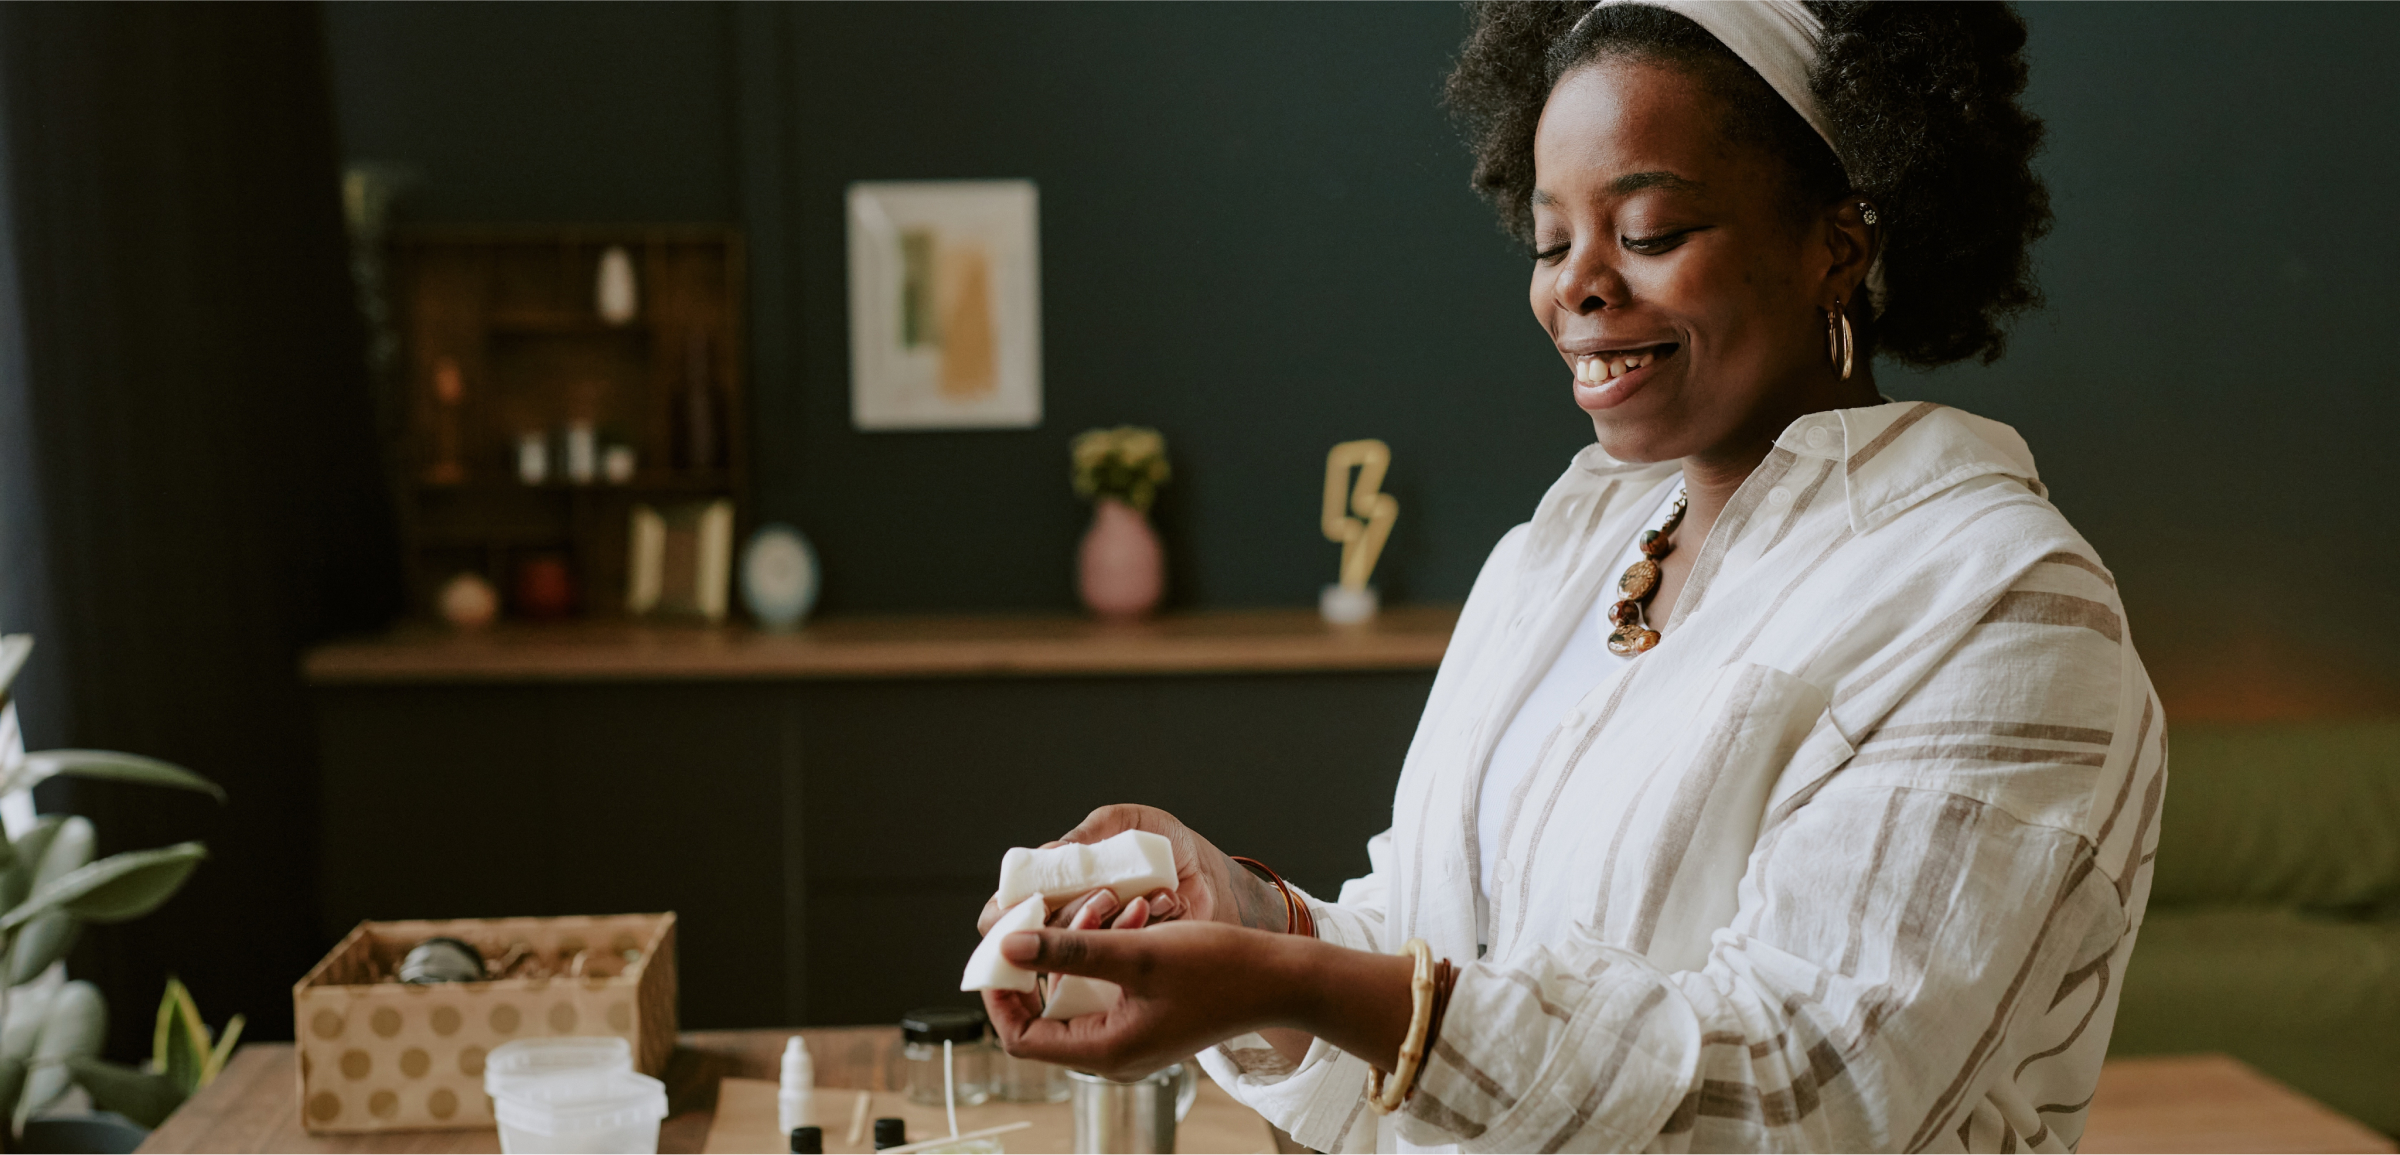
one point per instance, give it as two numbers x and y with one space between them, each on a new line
890 1133
943 1024
808 1141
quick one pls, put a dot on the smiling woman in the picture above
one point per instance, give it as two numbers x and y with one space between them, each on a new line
1830 831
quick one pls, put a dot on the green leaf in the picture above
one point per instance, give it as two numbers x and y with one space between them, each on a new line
74 1028
47 939
183 1054
224 1051
105 766
17 881
162 1033
141 1096
14 649
166 1033
12 1086
116 888
28 1006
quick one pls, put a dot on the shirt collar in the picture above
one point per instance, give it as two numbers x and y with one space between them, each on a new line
1899 454
1895 455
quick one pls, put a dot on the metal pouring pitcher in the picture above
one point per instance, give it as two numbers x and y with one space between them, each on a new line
1136 1118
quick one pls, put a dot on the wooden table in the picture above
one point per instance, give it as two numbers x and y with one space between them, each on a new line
2191 1103
251 1106
2212 1103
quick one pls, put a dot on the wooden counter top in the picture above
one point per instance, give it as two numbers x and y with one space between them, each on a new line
1202 642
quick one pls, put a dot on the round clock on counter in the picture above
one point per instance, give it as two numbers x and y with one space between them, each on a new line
779 577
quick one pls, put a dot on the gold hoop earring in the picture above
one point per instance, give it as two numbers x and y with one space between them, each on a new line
1838 347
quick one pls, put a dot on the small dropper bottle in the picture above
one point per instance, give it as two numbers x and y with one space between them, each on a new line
795 1094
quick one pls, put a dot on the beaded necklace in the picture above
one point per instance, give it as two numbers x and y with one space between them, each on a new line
1633 634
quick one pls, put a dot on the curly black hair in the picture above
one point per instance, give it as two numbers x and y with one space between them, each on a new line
1922 97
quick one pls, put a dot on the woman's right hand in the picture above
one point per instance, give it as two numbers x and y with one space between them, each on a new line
1209 887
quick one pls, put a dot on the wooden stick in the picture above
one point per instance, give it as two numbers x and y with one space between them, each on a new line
858 1117
930 1144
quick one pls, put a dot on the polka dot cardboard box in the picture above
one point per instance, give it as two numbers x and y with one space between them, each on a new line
381 1055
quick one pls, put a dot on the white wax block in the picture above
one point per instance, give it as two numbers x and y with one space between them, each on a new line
1129 865
986 970
1072 995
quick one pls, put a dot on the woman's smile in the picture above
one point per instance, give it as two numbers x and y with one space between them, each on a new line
1605 378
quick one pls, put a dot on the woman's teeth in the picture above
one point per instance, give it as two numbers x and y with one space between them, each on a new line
1606 367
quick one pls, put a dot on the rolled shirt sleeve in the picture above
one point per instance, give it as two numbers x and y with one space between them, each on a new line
1898 935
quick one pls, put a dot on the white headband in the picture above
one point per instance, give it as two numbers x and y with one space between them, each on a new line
1778 40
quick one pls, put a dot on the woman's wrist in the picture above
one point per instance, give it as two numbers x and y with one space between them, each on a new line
1257 903
1356 1000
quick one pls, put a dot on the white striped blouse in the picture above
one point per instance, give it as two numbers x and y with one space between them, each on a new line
1851 861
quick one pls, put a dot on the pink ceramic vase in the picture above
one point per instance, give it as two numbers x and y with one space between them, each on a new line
1121 569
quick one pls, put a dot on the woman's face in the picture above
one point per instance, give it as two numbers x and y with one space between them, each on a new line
1670 273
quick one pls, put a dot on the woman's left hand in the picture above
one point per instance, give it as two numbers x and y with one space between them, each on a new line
1188 985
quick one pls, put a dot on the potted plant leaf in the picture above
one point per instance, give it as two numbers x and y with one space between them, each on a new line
51 1028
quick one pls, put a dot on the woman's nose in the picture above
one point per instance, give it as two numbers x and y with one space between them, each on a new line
1588 282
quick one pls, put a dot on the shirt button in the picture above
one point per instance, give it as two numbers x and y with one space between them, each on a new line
1818 436
1779 496
1574 718
1503 872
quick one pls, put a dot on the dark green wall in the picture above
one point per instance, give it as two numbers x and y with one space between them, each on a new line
1257 236
2210 392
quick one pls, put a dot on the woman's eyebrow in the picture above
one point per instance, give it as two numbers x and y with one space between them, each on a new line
1634 182
1631 183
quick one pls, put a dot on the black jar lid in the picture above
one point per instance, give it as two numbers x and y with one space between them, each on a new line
942 1025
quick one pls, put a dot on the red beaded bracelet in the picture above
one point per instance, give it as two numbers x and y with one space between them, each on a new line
1297 917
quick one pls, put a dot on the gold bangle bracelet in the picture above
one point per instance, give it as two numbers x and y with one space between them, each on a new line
1387 1097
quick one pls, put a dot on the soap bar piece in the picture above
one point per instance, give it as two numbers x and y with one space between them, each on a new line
1130 865
986 970
1072 995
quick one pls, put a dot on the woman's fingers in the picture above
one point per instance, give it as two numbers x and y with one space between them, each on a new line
1135 915
1109 821
1097 954
1090 912
1074 1042
991 914
1011 1010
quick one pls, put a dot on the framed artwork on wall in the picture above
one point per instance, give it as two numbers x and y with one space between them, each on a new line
945 305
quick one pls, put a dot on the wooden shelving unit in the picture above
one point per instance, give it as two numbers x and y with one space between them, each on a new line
514 310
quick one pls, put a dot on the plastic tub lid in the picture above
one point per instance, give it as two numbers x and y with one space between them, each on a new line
528 1058
571 1101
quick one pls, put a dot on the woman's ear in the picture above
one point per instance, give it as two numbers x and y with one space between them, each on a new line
1851 233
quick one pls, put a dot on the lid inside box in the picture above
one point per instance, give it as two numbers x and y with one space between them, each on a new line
524 948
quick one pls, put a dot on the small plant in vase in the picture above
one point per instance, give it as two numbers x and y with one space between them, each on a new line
1121 570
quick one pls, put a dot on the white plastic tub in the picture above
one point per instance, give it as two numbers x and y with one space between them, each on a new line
601 1112
533 1058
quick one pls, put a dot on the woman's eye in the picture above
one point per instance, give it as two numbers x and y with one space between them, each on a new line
1551 253
1655 243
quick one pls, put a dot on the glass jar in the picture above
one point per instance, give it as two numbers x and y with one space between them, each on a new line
922 1033
1016 1080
